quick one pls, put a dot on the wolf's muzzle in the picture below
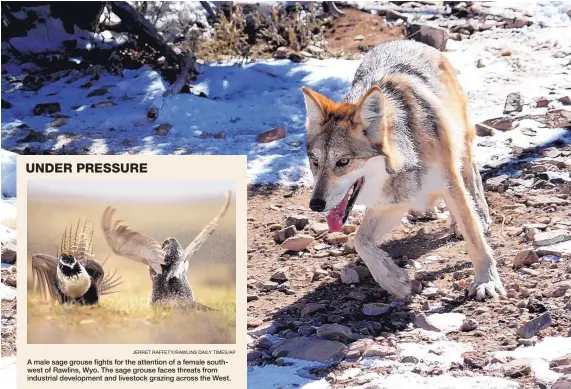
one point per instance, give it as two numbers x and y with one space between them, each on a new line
317 205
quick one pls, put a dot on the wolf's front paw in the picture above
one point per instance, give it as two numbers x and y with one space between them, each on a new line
486 286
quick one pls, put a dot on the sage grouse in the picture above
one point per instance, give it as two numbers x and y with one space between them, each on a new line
168 263
74 275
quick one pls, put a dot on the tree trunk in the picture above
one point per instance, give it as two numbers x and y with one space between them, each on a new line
146 33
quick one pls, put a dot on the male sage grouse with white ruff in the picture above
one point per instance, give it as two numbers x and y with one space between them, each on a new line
74 276
168 263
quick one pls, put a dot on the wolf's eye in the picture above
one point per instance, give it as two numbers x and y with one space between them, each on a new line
343 162
314 162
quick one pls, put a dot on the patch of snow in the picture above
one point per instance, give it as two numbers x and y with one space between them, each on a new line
7 292
294 375
446 322
8 161
441 353
445 381
540 355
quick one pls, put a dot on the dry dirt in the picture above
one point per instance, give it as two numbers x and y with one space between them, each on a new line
442 262
373 28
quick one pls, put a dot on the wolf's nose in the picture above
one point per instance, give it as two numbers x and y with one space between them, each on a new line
317 205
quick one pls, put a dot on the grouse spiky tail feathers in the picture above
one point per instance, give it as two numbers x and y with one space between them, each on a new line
74 275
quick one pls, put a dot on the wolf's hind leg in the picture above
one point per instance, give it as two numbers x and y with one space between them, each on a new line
389 276
487 281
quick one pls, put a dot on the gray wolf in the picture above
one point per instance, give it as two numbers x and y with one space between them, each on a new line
399 140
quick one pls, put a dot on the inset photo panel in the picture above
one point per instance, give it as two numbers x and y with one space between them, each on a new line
133 251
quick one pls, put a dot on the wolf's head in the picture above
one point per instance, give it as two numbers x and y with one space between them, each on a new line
348 147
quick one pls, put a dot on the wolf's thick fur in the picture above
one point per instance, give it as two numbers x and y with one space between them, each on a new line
404 129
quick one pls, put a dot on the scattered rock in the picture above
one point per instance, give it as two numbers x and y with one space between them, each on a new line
349 228
359 38
281 52
163 129
47 108
297 243
334 332
501 124
497 184
104 104
525 258
349 276
34 136
565 100
280 275
319 274
469 325
336 238
484 130
430 35
562 383
549 238
517 368
513 103
97 92
376 309
541 200
534 326
319 228
252 297
272 135
58 122
473 360
286 233
312 308
6 104
9 253
542 102
268 286
377 350
299 221
254 322
558 289
311 349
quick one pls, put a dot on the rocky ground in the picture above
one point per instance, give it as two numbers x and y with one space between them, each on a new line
8 299
317 300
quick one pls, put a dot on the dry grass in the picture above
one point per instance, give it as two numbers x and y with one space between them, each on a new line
126 316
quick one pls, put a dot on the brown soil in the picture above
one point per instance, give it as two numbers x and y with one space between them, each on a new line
375 30
420 241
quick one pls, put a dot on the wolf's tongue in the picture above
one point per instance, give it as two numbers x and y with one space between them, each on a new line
335 216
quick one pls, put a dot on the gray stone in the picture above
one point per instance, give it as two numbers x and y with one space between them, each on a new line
430 35
280 275
47 108
377 350
299 221
562 383
540 200
334 332
312 308
286 233
376 309
558 289
497 184
517 368
513 103
311 349
297 243
349 276
469 325
9 253
534 326
319 228
549 238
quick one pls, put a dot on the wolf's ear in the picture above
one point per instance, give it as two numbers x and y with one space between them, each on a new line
370 109
315 105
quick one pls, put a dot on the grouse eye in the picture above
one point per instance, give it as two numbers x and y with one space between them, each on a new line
343 162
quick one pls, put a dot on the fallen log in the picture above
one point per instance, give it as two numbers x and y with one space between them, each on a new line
146 33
